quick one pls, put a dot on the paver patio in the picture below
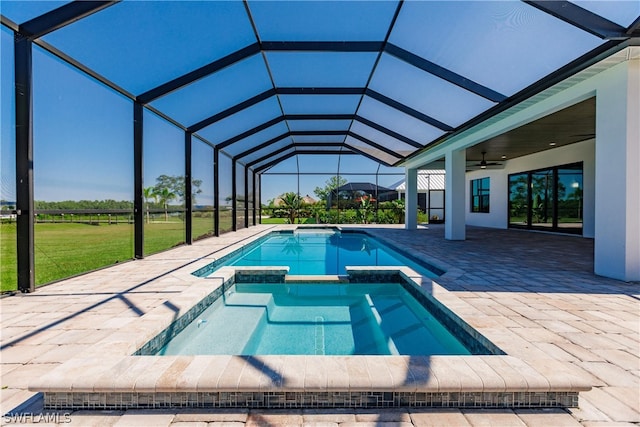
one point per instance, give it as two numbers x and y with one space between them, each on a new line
532 294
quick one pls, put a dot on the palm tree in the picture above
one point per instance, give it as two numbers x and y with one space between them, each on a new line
291 204
166 195
149 193
318 209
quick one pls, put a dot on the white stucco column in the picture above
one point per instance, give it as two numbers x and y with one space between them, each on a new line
411 199
617 183
454 201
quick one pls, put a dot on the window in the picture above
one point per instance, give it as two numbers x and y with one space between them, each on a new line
547 199
480 195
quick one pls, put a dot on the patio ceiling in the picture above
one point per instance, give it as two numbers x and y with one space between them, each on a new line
567 126
264 81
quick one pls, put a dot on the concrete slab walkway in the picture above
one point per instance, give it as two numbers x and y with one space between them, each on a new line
532 294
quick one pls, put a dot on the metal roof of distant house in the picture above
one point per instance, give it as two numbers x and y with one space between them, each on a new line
427 180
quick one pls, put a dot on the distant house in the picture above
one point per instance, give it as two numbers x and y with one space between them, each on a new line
430 192
306 199
309 200
6 210
355 191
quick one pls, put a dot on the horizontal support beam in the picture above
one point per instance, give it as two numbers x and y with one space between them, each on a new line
318 132
260 168
271 155
373 144
581 18
408 110
263 145
307 146
295 153
579 64
250 132
323 91
268 94
232 110
367 155
444 73
322 46
83 68
319 116
198 74
320 90
389 132
61 17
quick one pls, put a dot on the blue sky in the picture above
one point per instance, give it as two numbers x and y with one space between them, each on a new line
83 131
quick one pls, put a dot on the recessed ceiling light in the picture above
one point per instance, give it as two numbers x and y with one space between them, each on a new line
504 157
553 144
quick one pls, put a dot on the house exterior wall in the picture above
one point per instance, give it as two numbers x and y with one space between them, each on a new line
617 245
498 217
611 173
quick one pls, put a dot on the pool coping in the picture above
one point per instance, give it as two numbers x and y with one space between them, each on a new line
108 376
123 381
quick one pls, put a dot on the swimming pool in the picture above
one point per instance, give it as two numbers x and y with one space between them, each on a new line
319 252
381 310
315 319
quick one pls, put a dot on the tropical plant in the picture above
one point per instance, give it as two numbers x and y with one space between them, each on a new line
365 210
348 216
319 212
148 193
391 212
165 196
290 203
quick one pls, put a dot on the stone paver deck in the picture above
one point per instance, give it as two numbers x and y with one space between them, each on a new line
532 294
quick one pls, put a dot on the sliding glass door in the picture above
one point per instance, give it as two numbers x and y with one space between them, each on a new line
519 200
542 198
570 198
547 199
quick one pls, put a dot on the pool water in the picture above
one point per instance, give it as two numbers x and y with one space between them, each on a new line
321 319
318 252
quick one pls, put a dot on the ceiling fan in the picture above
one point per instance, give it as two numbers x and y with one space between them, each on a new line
483 163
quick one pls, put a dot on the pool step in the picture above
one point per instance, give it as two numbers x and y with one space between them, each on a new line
205 336
311 278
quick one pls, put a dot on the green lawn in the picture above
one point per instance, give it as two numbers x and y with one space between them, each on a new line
7 256
66 249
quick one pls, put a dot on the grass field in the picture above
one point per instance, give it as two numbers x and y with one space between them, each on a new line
67 249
